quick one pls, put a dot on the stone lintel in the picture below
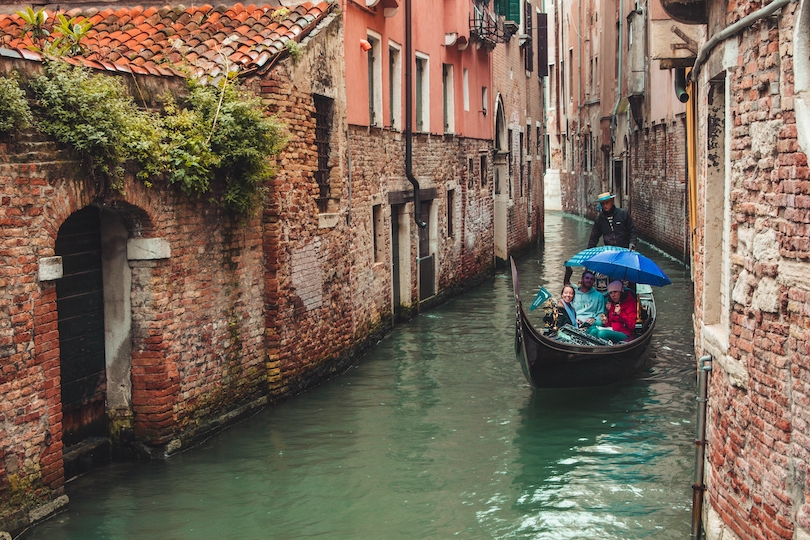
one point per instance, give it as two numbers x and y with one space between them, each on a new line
143 249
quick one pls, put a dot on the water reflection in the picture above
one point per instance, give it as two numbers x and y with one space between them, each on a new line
434 434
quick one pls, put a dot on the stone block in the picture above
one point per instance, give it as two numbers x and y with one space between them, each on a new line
144 249
50 268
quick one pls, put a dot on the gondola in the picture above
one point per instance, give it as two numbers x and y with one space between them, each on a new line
580 360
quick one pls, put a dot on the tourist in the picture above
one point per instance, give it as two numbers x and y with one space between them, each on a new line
620 322
588 303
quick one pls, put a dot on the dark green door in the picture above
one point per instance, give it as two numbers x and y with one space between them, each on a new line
80 302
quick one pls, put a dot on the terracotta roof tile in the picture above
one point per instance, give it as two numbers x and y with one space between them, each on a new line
139 38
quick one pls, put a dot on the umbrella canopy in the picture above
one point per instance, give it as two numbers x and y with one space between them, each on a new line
627 266
577 259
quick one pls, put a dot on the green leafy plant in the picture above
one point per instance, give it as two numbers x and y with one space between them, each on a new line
34 25
68 36
216 142
95 115
295 50
14 110
240 136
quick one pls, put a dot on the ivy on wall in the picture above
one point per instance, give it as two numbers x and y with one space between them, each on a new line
216 142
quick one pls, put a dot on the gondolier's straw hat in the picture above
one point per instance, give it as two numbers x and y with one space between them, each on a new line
605 196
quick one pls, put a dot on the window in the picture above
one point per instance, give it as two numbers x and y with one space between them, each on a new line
564 149
465 81
562 83
509 139
538 140
595 78
450 205
395 87
374 81
378 225
542 45
521 178
547 144
571 72
528 45
422 94
484 99
716 209
529 140
483 160
448 98
323 120
470 173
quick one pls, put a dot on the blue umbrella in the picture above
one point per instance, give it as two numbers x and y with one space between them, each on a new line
577 259
627 266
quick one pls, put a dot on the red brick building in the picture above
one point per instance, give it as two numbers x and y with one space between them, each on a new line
519 67
614 120
751 261
199 317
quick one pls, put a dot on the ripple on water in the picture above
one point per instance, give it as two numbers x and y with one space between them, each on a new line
433 434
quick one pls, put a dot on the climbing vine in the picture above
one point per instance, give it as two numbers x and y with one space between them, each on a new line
215 142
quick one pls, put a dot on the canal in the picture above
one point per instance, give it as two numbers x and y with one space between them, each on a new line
434 434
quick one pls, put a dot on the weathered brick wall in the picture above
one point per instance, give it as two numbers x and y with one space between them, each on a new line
521 95
658 185
197 325
244 309
758 435
657 181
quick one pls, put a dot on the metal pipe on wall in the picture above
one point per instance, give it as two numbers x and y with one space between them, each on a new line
698 488
409 60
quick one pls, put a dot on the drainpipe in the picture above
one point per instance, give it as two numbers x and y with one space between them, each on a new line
698 488
618 94
731 30
417 203
691 172
349 171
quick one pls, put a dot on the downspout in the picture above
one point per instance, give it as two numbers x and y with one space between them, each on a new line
691 169
618 94
698 488
731 30
417 203
349 172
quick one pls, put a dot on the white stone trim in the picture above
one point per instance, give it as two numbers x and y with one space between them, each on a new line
147 249
50 268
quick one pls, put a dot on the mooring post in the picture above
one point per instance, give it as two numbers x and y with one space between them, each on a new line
705 366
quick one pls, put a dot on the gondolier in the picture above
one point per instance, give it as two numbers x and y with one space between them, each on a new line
614 225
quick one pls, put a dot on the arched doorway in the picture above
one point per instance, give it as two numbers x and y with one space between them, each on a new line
95 334
500 175
80 307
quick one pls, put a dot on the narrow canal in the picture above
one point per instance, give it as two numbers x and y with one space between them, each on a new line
434 434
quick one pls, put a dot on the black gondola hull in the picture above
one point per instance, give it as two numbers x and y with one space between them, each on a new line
548 363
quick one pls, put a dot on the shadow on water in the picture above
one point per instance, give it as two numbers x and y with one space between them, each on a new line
434 434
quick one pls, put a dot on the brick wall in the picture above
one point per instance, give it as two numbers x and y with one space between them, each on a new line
244 310
657 171
520 95
758 435
197 325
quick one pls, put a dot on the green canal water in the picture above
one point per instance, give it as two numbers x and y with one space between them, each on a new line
433 434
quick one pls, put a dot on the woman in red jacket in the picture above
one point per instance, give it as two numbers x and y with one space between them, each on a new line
620 322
